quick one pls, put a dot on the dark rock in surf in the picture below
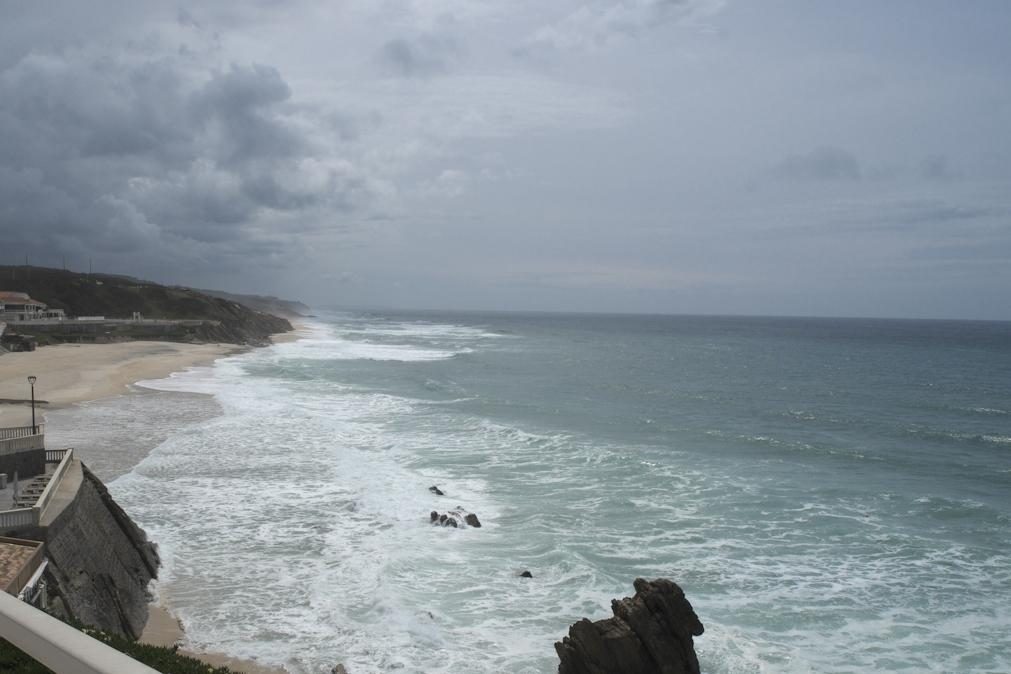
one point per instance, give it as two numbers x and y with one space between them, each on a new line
434 516
650 633
526 574
472 520
435 490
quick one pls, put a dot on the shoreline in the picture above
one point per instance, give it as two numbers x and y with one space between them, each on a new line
72 374
76 373
164 629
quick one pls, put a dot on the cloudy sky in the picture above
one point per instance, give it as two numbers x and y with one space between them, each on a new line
676 156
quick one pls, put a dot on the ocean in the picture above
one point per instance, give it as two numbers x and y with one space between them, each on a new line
833 495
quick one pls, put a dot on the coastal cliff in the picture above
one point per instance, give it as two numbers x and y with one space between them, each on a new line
100 562
208 318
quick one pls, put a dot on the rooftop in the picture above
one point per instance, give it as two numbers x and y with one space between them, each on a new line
15 554
11 296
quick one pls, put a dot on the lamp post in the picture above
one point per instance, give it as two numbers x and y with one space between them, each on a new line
31 380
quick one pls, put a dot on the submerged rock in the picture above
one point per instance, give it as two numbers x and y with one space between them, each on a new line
650 633
435 490
472 520
526 574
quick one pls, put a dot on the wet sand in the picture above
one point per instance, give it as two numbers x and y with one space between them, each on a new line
163 629
72 373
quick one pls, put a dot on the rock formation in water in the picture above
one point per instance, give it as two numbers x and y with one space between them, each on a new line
458 518
650 633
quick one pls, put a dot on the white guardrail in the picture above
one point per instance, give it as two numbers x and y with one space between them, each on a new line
59 646
22 431
54 483
30 517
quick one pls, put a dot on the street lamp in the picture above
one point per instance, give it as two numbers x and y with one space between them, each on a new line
31 380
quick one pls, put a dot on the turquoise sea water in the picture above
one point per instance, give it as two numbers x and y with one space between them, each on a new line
833 495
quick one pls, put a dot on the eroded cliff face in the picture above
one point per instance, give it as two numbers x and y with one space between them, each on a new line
100 562
650 633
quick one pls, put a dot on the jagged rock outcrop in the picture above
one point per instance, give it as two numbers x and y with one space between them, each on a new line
100 562
650 633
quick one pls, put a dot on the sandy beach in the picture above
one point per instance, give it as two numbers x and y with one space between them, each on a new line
82 373
72 373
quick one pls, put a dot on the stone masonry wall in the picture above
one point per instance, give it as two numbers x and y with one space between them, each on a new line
100 562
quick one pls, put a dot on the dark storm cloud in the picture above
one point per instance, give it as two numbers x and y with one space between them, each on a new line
676 146
823 163
144 151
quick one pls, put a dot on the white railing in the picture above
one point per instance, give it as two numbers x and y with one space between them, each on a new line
59 646
30 517
22 438
54 483
56 455
17 518
13 432
15 445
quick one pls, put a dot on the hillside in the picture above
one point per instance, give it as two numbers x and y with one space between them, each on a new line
264 303
120 296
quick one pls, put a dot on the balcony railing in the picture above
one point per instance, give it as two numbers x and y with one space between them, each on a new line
14 432
31 517
59 646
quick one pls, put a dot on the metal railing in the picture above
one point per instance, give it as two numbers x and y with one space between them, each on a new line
14 432
59 646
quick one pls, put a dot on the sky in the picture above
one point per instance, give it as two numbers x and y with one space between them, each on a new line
811 157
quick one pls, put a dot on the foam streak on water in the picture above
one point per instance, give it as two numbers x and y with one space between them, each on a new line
821 514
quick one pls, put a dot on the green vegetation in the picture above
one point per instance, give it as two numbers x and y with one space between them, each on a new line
167 660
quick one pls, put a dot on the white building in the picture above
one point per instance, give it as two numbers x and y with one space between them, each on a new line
16 307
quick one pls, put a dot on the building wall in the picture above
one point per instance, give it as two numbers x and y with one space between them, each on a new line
26 464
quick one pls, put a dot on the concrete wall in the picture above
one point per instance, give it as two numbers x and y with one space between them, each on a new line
100 562
26 463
